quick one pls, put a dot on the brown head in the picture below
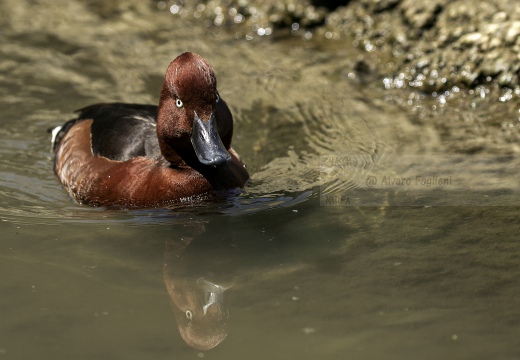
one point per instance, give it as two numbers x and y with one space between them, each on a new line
194 125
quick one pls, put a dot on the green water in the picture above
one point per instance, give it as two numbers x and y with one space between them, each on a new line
364 277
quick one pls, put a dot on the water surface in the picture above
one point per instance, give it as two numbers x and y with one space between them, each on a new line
298 278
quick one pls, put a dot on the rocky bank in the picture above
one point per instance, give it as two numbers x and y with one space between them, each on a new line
430 45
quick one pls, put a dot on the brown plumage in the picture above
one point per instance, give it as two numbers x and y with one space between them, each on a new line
139 156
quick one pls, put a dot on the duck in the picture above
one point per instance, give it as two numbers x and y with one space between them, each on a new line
125 155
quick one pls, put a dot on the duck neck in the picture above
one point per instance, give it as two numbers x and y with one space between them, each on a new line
169 152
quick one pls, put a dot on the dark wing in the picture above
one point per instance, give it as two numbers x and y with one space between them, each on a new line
120 131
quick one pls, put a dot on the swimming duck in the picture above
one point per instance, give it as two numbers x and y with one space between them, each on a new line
141 156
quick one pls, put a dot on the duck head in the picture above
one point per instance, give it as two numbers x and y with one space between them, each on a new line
194 124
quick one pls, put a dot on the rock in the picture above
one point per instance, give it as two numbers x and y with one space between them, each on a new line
463 42
421 14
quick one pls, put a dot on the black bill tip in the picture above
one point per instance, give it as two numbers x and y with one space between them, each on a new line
207 143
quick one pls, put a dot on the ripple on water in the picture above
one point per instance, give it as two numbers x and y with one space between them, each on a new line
321 132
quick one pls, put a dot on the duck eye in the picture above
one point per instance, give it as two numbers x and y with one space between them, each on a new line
189 314
178 102
218 98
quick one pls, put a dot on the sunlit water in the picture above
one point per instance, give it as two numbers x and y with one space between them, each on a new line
286 272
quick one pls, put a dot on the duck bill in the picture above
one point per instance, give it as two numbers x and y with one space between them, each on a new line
207 143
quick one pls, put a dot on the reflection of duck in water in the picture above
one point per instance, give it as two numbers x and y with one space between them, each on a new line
198 304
